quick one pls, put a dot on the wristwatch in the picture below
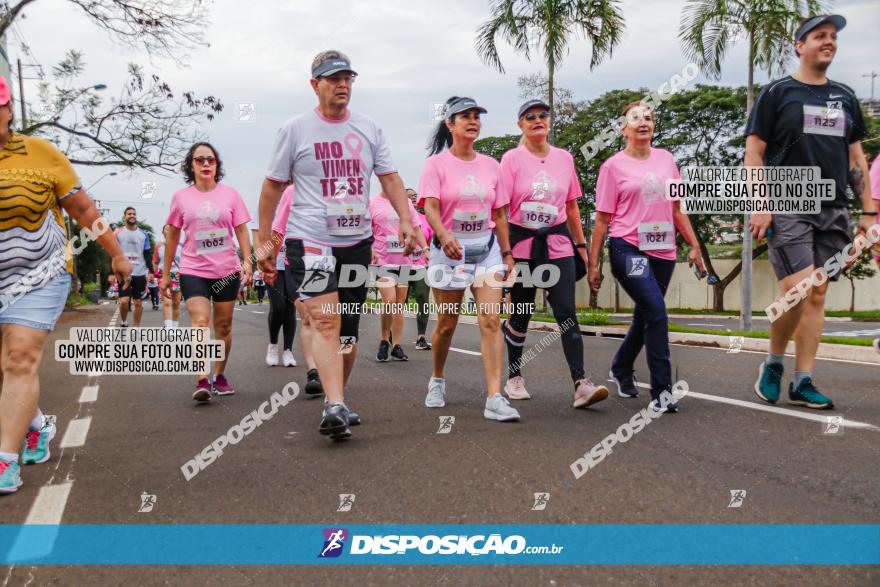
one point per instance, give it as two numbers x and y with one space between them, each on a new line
868 213
581 245
505 253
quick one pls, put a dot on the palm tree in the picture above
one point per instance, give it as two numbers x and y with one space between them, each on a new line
708 29
546 26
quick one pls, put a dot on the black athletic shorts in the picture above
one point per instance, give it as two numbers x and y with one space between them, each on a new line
136 288
224 289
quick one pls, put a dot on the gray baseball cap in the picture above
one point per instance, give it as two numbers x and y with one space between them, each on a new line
838 21
531 104
332 66
461 105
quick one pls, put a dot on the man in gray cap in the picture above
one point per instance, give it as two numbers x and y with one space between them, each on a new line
330 155
806 119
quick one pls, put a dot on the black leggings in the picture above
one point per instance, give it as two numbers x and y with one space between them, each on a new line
561 298
282 313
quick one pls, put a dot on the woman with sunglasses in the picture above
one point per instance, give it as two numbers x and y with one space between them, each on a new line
464 202
631 205
210 213
543 189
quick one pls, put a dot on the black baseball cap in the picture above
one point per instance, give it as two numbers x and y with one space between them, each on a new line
332 66
461 105
838 21
531 104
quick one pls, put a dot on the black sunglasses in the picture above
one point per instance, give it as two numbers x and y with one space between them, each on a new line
531 117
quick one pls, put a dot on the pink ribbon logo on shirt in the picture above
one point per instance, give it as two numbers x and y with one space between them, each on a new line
355 145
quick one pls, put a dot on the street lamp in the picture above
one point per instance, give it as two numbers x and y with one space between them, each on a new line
110 173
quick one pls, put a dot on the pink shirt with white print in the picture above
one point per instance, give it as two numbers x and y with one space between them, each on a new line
468 192
386 225
279 224
208 220
538 189
633 191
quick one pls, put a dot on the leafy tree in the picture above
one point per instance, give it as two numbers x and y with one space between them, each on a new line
546 27
861 268
146 127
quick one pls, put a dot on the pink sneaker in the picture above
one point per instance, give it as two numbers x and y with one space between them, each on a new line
587 394
515 388
202 394
222 386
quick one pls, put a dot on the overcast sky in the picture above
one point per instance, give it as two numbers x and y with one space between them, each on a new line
409 56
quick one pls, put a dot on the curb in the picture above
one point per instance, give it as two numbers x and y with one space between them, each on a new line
724 316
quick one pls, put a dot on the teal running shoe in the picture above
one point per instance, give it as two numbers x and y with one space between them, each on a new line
806 394
769 382
36 445
10 476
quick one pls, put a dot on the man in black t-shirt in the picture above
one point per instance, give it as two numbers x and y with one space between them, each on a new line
808 120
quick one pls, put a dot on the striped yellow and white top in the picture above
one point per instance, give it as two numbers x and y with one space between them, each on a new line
34 178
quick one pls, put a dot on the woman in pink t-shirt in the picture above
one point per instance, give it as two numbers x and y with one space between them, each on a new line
210 214
390 260
463 198
543 188
632 205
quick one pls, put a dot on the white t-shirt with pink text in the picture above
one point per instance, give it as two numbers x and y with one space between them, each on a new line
208 220
538 189
468 192
331 163
633 191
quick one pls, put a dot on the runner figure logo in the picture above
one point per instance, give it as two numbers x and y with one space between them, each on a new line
346 500
148 501
637 266
334 542
208 214
541 500
832 425
735 344
737 497
542 186
346 344
834 108
446 423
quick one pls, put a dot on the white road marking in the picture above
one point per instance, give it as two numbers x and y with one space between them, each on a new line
49 505
257 312
773 409
76 432
855 333
466 352
88 394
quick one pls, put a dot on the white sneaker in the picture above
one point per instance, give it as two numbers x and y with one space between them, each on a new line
436 397
877 344
287 358
515 388
498 408
272 355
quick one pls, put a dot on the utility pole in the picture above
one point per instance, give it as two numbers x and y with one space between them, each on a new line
873 75
21 95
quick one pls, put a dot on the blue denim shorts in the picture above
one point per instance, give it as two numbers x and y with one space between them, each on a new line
41 307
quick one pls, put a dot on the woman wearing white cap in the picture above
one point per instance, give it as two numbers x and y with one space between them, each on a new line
465 205
543 189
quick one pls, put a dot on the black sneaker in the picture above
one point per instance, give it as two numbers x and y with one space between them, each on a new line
384 347
657 404
354 418
313 383
335 422
397 353
422 344
626 384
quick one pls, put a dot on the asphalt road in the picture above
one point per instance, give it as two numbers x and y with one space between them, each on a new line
868 330
681 469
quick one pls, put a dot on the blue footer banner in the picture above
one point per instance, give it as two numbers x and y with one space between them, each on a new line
417 544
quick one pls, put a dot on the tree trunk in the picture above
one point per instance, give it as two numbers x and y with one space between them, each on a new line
852 297
552 136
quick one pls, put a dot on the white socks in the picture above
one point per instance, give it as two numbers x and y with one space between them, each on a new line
39 421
